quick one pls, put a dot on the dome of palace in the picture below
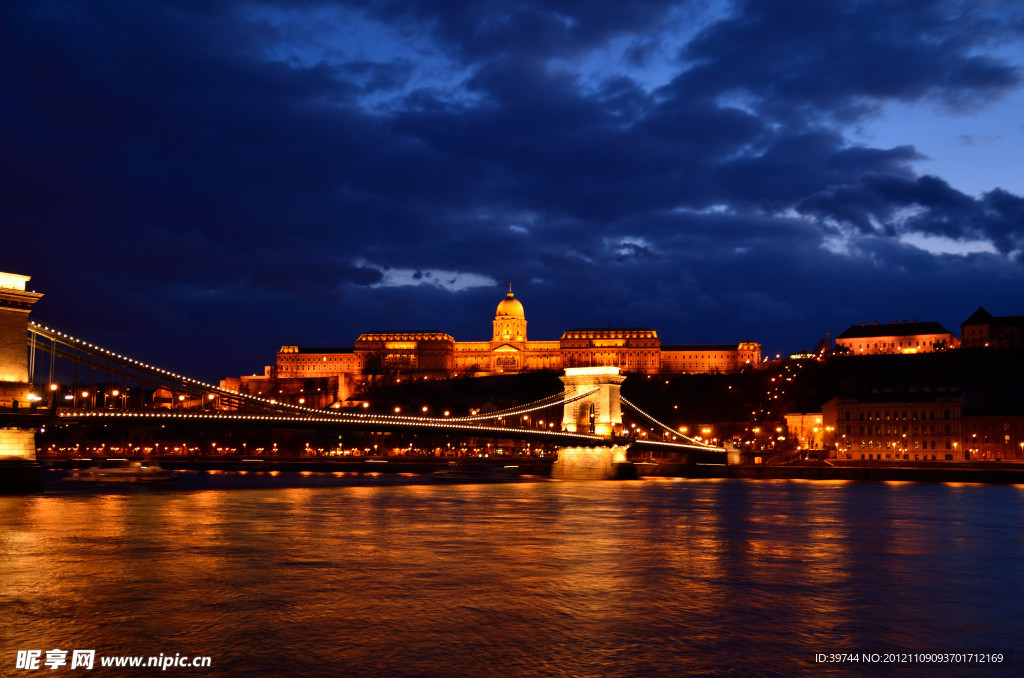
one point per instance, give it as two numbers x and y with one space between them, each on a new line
510 306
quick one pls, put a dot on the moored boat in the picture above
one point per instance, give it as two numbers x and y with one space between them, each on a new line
135 472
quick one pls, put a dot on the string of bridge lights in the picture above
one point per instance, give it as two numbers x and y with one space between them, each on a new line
361 419
519 410
695 446
55 336
525 409
326 416
697 443
323 416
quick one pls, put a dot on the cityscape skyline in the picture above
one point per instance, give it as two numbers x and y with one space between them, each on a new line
202 184
479 336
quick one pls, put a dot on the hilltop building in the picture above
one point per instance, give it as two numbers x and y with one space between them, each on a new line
983 330
320 376
912 337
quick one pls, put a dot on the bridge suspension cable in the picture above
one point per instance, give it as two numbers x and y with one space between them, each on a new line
552 400
548 401
329 418
63 345
674 432
81 352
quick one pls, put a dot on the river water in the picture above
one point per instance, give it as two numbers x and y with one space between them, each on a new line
635 578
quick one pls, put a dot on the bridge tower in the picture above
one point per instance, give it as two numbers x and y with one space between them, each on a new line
599 412
18 469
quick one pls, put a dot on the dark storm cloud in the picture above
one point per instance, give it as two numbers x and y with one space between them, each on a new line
232 168
841 59
478 31
541 144
925 205
797 164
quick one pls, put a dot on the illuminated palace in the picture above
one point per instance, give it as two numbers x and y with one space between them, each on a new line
386 356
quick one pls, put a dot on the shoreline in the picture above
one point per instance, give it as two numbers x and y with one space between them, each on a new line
405 470
995 473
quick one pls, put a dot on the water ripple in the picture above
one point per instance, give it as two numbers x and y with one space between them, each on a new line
730 578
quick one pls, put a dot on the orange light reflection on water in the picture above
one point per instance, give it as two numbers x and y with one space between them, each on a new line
565 570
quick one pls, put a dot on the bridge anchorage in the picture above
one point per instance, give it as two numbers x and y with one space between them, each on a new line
19 471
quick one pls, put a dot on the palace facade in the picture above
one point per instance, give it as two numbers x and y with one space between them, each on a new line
320 376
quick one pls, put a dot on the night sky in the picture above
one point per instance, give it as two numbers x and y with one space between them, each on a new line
199 182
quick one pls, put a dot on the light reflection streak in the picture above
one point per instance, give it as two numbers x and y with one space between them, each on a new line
568 576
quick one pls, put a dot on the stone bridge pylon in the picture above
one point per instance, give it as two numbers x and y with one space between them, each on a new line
18 469
600 413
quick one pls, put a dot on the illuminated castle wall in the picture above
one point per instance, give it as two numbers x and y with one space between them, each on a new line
915 337
336 372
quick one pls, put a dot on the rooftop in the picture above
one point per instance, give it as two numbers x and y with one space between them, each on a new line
699 347
892 330
983 317
580 332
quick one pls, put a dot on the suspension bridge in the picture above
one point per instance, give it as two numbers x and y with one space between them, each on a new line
59 380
